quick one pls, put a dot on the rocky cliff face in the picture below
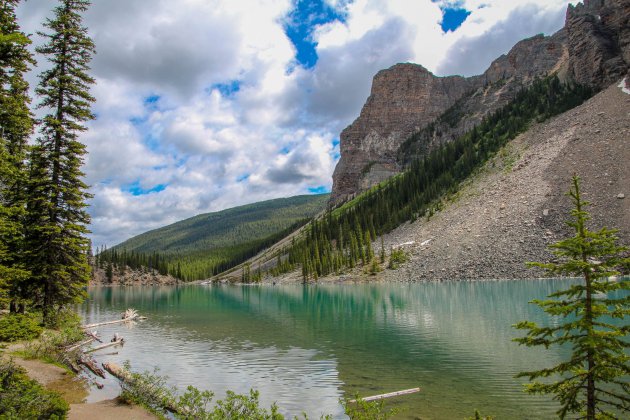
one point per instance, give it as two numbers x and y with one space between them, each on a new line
593 48
528 59
404 98
599 41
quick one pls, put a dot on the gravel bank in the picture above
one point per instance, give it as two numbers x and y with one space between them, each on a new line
516 206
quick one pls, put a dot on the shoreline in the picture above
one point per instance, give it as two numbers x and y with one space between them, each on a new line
341 281
74 389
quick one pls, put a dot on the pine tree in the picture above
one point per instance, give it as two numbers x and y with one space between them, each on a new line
57 195
16 126
382 253
595 378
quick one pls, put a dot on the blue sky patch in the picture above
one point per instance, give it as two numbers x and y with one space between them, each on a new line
300 24
227 89
452 18
319 190
151 102
138 121
135 189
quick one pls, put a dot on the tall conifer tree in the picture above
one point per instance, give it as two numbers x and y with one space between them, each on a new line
16 126
57 194
595 379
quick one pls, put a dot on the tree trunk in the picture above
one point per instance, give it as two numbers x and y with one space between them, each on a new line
588 311
590 381
48 303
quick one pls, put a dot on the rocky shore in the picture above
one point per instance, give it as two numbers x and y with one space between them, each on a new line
131 278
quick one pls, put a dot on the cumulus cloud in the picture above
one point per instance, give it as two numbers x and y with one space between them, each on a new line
202 105
305 164
340 85
472 54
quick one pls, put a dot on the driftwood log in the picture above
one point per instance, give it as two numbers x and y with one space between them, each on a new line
129 315
81 344
118 371
124 375
91 365
118 342
94 335
389 395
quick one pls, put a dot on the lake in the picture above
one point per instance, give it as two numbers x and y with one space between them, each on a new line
306 347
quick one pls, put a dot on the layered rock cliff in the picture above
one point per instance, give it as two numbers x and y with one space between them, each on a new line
410 111
404 99
598 41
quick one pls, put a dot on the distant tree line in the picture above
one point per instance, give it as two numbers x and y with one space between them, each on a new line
343 237
43 223
189 266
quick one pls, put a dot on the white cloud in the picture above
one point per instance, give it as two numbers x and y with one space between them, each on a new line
492 30
270 133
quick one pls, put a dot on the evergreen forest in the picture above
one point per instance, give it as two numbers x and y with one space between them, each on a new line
208 244
43 219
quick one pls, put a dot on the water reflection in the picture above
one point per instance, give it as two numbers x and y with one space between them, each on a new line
305 347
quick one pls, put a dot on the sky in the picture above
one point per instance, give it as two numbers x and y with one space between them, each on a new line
204 105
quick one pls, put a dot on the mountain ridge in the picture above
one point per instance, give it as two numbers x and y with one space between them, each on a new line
193 229
593 48
512 210
200 246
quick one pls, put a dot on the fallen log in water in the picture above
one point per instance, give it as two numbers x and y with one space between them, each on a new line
92 366
76 346
124 375
389 395
118 342
129 315
94 335
118 321
118 371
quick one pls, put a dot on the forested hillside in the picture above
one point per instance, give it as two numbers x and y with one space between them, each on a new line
343 238
206 244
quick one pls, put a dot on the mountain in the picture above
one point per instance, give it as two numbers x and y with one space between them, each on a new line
481 163
510 211
227 227
197 247
406 100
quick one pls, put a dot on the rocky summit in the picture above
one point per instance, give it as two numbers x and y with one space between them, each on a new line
593 49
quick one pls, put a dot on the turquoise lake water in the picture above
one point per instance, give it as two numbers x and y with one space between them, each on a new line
306 347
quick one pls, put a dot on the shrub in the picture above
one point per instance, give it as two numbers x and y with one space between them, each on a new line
479 416
397 257
359 409
375 267
149 389
23 398
50 346
15 327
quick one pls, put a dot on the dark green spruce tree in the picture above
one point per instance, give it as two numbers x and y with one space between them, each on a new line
16 126
594 382
57 217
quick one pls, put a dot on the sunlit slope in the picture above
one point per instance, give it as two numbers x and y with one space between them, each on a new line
229 227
